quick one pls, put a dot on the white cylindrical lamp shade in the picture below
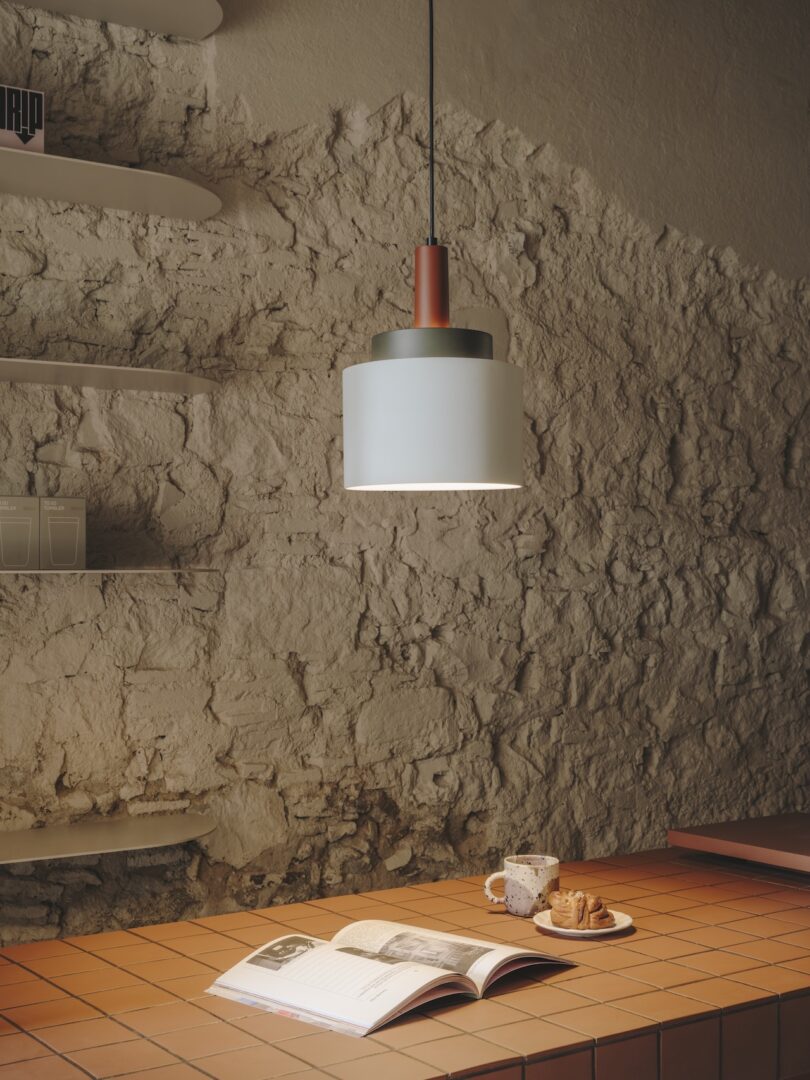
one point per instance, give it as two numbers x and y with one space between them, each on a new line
433 423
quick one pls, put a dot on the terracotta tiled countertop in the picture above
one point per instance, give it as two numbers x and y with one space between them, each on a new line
712 982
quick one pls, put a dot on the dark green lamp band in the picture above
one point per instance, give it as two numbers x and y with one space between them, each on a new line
431 341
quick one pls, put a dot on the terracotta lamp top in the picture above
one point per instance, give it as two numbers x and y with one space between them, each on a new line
431 306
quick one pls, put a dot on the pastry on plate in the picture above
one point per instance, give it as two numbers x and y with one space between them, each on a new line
576 910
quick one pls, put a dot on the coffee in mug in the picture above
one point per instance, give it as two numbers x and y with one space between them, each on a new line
528 880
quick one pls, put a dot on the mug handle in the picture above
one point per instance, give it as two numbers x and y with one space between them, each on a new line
488 893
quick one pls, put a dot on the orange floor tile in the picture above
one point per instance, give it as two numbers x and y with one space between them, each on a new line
717 955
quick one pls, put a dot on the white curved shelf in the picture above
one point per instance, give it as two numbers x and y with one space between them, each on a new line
194 19
102 837
47 176
102 376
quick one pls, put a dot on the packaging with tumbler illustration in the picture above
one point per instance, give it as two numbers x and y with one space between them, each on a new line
19 532
62 534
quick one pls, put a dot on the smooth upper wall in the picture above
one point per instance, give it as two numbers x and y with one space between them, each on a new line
380 688
693 112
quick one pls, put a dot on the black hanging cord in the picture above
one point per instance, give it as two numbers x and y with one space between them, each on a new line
431 164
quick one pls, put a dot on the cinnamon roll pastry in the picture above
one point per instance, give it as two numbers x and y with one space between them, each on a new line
576 910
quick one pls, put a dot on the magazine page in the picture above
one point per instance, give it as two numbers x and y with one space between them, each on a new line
481 961
348 989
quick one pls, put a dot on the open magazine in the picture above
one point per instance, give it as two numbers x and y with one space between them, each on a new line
369 973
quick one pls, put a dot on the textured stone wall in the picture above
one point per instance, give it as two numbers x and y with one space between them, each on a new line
382 688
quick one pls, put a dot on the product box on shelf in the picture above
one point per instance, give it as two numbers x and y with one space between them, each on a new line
62 534
22 118
19 532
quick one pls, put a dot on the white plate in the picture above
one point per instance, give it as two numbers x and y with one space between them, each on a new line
543 920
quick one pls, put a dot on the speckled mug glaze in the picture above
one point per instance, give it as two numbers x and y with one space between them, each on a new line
528 880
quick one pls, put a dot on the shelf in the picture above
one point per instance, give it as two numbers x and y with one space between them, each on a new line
194 19
103 377
112 571
71 180
102 836
781 840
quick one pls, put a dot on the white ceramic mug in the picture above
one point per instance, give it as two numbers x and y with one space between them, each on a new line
528 879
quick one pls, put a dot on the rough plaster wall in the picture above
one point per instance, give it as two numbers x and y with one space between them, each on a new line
382 688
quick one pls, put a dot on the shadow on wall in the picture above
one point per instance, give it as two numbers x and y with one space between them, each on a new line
247 14
491 320
48 899
115 542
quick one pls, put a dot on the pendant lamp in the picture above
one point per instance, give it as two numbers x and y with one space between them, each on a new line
432 410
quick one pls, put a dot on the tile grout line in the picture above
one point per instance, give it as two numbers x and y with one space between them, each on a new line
116 1018
106 959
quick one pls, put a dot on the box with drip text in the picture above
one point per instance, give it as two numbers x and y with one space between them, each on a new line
22 119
